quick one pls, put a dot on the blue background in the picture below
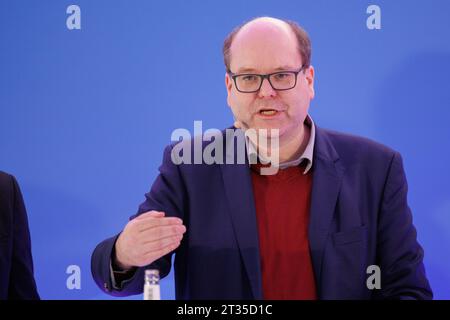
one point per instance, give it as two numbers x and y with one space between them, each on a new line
85 114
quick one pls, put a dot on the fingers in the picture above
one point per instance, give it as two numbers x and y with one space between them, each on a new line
163 243
150 214
156 223
154 234
149 223
153 218
154 255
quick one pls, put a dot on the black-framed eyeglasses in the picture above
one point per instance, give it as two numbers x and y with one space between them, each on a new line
281 80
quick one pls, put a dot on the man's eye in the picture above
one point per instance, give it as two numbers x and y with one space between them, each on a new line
281 76
249 78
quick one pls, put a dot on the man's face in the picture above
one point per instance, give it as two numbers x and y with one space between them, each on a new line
263 47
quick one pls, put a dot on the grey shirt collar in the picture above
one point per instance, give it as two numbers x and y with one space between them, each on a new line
307 153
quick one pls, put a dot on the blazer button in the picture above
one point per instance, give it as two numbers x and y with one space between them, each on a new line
107 289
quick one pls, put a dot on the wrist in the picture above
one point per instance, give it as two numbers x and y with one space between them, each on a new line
117 261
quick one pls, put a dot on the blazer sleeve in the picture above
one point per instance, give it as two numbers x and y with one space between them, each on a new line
400 255
166 194
22 284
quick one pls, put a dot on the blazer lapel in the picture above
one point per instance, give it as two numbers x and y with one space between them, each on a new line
327 178
239 193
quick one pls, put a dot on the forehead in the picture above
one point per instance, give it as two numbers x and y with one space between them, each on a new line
263 47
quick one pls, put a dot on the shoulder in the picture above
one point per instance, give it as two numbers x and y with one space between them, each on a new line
343 140
354 149
6 194
6 182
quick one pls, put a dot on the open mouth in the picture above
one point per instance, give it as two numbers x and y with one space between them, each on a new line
268 112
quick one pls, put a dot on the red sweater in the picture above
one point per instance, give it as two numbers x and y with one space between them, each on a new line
282 209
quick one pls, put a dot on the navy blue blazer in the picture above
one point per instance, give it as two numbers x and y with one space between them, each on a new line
359 217
16 264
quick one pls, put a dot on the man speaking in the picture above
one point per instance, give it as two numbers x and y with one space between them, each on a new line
335 208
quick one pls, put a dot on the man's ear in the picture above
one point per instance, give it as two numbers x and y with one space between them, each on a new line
228 85
309 76
228 82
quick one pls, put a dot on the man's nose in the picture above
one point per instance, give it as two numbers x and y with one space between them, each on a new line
266 89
